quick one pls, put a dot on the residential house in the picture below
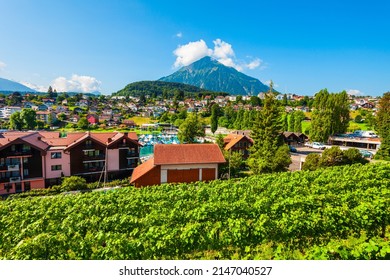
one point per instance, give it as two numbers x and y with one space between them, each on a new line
92 119
181 163
294 138
43 107
46 116
238 143
129 123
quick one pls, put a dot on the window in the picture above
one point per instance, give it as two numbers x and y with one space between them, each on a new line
25 172
56 167
26 148
56 155
27 186
88 142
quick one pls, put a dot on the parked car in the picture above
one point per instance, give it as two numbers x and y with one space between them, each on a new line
292 149
318 145
308 144
366 154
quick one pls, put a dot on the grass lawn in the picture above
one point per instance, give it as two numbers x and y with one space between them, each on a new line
142 120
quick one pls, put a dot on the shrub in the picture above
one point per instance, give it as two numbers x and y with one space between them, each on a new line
73 183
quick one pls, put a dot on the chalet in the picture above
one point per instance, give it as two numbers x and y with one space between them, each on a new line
294 138
182 163
238 143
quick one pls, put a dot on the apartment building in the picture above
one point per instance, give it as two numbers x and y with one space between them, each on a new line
34 160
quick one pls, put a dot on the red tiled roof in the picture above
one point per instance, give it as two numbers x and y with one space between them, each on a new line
32 138
142 169
187 154
233 139
63 141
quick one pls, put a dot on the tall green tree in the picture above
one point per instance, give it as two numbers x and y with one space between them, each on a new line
219 141
29 118
214 117
83 123
15 121
383 127
299 117
291 122
330 115
268 153
285 122
190 129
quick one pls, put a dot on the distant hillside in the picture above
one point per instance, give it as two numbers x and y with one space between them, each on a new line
11 86
208 73
159 87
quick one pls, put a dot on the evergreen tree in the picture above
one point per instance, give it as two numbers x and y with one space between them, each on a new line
285 122
214 117
383 127
291 123
299 117
268 153
239 119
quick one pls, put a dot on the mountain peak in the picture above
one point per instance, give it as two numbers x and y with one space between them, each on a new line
208 73
8 85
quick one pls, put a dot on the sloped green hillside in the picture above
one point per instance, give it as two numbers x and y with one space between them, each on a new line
335 213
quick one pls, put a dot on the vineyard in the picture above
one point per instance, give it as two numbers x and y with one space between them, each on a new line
335 213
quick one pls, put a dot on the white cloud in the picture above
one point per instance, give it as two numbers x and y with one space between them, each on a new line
76 84
179 35
2 65
34 86
254 64
191 52
223 52
354 92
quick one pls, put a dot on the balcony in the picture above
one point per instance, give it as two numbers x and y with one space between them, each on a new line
100 157
132 155
14 167
14 179
19 153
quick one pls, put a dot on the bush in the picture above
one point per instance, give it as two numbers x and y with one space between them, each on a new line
73 183
354 156
311 162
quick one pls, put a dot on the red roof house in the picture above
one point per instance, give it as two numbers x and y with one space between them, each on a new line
179 163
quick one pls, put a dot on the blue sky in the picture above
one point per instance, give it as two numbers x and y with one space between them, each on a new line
303 46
